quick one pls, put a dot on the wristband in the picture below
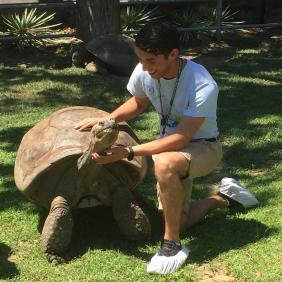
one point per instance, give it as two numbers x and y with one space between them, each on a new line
130 155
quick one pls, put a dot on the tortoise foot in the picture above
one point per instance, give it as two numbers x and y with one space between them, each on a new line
132 221
57 230
56 259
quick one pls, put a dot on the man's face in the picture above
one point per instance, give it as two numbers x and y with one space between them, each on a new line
158 65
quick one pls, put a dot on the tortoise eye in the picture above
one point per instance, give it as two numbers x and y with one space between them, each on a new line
101 123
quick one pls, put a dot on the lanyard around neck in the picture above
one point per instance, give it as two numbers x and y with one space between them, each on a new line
164 118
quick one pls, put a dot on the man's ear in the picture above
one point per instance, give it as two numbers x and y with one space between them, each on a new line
174 54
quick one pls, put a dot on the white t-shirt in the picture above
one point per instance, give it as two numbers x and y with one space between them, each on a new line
196 96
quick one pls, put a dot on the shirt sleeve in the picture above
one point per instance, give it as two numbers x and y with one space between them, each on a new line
203 101
135 84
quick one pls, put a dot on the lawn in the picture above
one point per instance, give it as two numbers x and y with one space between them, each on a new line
229 245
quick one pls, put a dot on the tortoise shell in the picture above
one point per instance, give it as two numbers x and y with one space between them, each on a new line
115 51
46 162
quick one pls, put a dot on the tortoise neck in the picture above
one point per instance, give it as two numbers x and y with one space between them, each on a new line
61 203
85 160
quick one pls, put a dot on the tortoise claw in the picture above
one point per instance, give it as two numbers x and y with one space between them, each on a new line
56 259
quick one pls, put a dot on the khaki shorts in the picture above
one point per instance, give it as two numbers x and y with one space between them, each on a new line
203 157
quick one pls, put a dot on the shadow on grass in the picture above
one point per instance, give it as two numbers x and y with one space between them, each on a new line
104 92
14 199
96 229
262 156
12 137
236 40
218 234
8 269
221 231
7 170
47 57
99 230
10 196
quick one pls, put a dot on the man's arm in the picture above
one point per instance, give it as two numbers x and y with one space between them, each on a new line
187 127
128 110
184 132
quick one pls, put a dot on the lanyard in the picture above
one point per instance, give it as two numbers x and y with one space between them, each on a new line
164 118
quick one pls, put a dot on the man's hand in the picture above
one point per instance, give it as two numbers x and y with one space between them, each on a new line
87 123
112 155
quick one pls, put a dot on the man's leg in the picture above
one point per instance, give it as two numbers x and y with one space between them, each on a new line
202 157
199 209
197 159
170 167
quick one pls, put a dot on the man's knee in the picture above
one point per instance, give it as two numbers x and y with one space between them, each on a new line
170 164
163 165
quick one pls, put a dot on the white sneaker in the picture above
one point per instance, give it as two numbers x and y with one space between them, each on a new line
232 189
163 265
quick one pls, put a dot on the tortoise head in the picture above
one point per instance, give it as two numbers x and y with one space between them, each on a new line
104 134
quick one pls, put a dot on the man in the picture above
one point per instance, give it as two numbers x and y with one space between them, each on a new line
185 96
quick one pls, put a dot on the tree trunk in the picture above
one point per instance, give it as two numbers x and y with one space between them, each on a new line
97 17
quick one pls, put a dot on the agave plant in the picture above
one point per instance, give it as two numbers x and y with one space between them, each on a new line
209 16
134 18
28 23
186 19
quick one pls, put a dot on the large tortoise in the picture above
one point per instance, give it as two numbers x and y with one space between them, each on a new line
110 52
54 169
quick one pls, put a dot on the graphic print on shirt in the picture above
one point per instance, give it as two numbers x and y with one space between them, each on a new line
172 120
151 93
154 96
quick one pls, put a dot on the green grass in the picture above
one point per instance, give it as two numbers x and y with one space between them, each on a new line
228 244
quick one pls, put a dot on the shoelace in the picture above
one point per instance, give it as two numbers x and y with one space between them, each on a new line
169 248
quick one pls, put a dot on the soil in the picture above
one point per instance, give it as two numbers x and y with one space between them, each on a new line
206 51
215 274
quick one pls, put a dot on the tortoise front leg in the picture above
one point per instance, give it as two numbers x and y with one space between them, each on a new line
57 231
132 221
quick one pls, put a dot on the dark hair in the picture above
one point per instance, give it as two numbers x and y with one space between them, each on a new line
158 37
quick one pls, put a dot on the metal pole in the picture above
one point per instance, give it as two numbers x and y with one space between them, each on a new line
224 27
142 2
262 11
218 19
30 37
67 4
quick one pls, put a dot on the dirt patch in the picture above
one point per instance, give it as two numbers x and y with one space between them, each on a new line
258 172
12 258
216 274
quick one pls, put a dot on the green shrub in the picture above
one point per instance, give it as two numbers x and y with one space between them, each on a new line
186 19
28 24
208 16
134 18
